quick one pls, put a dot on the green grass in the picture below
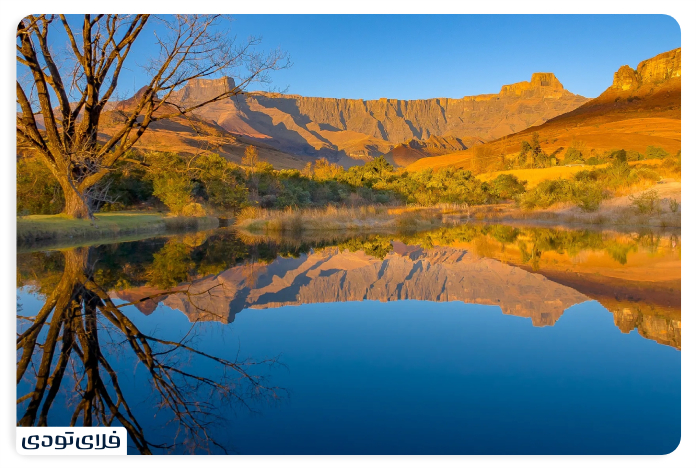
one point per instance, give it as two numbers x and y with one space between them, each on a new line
58 228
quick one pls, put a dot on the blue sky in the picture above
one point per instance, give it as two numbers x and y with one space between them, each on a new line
425 56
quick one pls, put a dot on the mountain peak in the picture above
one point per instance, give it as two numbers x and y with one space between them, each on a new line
200 90
652 71
545 83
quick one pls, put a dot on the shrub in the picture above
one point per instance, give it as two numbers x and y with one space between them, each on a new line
674 205
507 186
647 202
588 196
655 152
572 155
194 210
546 194
174 190
38 192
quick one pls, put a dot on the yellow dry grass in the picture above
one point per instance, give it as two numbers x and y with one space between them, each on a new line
535 176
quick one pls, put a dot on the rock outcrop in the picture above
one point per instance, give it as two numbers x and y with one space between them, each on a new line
545 85
201 90
649 73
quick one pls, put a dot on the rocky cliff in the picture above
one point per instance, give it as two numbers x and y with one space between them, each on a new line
345 129
649 72
201 90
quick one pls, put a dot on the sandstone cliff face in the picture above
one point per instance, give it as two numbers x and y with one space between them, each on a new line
653 71
353 128
440 274
201 90
544 84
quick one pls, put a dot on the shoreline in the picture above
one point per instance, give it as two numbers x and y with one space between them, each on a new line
44 231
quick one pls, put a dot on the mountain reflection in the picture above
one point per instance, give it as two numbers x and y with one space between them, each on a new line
71 341
533 273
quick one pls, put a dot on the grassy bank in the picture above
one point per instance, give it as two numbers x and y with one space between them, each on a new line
373 217
50 229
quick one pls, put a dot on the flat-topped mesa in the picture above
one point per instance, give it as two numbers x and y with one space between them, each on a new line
200 90
545 84
653 71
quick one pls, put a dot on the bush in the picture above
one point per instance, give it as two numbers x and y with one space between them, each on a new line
647 202
38 192
588 196
674 205
193 209
546 194
507 186
174 190
655 152
573 155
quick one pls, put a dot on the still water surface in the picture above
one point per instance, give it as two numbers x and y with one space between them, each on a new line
463 340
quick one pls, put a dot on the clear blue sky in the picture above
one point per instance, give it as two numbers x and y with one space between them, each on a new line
424 56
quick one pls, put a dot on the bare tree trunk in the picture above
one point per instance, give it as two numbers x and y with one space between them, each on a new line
76 205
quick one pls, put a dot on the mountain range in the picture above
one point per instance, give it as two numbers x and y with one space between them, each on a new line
291 130
642 107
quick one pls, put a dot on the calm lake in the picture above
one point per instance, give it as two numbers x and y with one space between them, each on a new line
472 339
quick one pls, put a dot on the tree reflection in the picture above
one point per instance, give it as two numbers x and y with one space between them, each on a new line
66 343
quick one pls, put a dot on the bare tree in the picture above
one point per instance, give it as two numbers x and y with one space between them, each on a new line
83 83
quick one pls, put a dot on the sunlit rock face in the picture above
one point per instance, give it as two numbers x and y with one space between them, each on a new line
661 67
626 78
440 274
544 85
649 73
200 90
357 129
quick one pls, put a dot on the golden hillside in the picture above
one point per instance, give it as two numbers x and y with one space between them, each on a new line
641 108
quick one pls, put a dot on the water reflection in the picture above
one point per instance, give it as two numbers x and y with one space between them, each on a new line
70 344
73 340
530 272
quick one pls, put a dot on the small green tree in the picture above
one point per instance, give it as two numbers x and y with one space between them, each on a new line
174 190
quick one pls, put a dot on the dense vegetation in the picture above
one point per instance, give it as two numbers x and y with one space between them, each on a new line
209 184
195 185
